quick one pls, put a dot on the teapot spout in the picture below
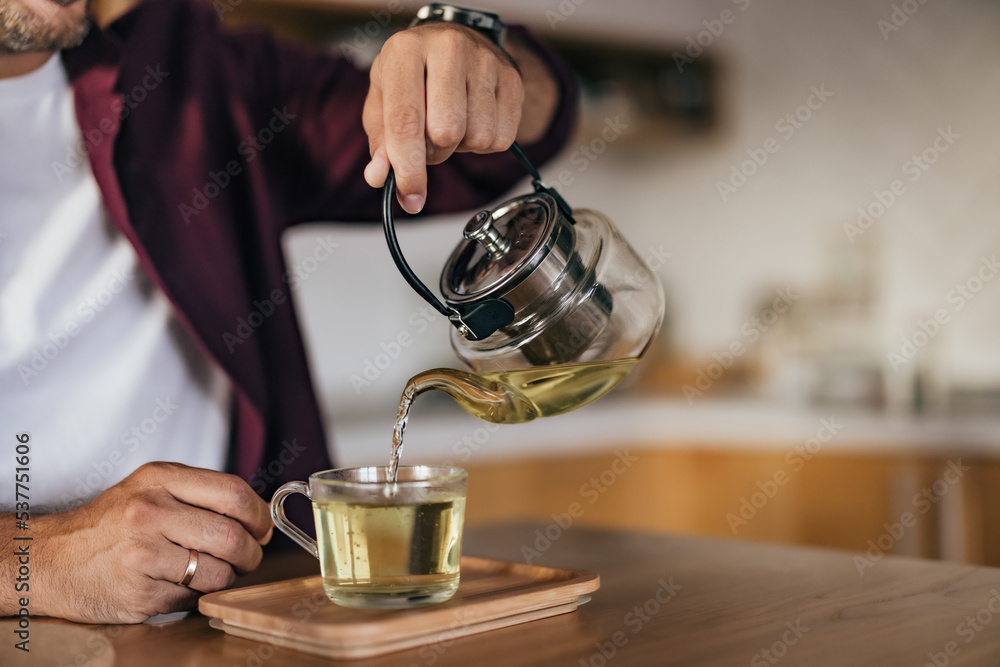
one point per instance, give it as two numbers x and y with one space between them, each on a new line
488 399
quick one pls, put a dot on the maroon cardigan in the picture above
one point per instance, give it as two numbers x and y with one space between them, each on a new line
206 145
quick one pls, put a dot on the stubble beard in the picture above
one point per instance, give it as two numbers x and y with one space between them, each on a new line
22 30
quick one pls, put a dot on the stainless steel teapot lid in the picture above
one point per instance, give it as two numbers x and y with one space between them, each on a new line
503 248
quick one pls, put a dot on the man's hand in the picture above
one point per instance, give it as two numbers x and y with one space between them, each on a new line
117 559
441 88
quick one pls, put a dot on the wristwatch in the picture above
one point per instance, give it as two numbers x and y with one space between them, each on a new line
485 22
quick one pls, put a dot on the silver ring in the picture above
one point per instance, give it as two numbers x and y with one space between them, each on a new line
192 567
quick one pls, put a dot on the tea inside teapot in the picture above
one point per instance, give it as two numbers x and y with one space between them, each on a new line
515 396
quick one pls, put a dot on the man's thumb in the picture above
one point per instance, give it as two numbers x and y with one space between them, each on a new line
378 169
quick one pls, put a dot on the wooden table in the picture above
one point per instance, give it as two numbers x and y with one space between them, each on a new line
664 600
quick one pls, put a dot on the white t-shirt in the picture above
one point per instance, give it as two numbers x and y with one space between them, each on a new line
93 363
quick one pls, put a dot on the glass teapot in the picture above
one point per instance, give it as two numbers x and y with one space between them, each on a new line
551 307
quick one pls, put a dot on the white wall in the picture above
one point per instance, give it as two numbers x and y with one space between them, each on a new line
940 69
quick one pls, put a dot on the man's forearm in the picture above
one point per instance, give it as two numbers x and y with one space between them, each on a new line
541 91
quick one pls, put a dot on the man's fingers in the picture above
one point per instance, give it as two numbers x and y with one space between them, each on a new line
510 98
378 169
220 536
407 156
373 120
436 90
216 492
481 128
170 565
403 106
211 574
446 96
167 597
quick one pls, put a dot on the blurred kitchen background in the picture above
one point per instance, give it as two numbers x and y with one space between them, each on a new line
839 157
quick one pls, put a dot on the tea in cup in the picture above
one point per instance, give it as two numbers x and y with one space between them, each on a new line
383 544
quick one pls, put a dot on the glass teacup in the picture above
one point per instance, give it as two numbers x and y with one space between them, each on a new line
383 545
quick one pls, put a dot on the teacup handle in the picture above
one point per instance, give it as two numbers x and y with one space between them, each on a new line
282 522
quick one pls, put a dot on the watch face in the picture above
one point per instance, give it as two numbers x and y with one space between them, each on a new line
478 20
452 14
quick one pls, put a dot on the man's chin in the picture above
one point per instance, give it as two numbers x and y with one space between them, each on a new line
42 25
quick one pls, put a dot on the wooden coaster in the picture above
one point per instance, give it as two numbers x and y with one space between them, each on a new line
493 594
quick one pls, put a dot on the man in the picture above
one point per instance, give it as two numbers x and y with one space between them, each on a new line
146 175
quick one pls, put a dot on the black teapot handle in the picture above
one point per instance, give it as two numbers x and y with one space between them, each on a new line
537 184
479 320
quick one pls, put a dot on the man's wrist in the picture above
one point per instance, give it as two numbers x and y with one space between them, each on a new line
14 585
541 90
